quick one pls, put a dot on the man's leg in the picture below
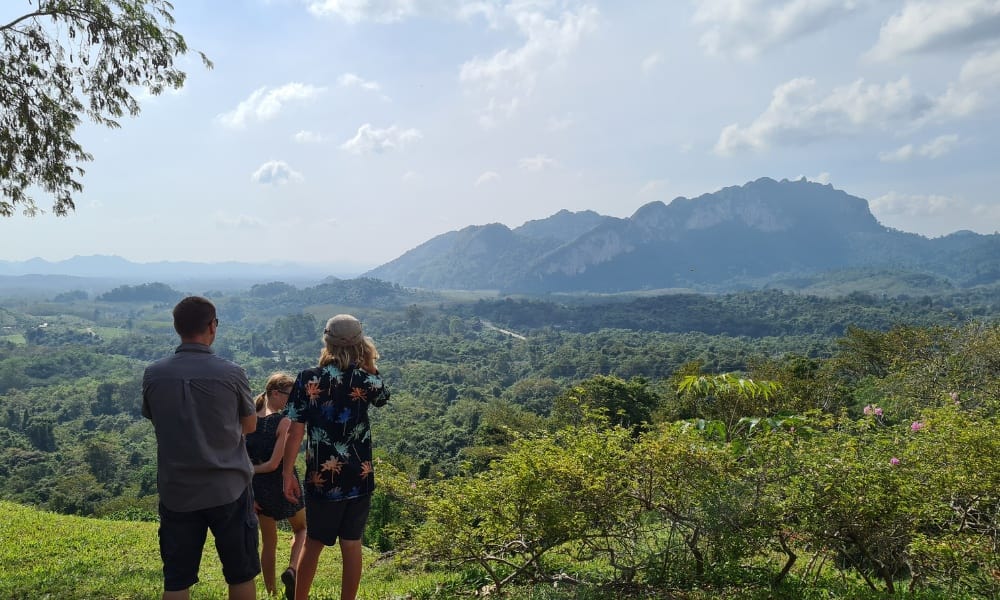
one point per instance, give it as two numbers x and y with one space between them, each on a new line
350 580
182 537
306 571
235 527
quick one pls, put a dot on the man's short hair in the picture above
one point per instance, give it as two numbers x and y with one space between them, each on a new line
192 316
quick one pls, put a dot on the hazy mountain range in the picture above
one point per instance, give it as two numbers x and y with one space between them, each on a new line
99 273
791 234
741 236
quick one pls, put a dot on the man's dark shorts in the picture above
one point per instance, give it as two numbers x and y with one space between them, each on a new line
344 519
183 535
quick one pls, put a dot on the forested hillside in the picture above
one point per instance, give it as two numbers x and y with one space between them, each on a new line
676 442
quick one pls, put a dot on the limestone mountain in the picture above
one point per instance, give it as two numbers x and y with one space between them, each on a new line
739 236
485 256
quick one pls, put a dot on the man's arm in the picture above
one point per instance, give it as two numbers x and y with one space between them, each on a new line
290 484
246 408
249 423
146 411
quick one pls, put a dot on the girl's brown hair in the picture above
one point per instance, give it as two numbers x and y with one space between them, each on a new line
363 354
276 381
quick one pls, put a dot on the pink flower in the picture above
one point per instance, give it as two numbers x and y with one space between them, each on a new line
868 409
878 412
894 461
916 426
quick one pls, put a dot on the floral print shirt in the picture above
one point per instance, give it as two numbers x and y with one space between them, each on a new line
333 405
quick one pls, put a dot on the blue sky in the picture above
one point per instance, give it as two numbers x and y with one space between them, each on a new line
345 132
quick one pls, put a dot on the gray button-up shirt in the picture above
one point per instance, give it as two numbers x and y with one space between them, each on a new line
195 400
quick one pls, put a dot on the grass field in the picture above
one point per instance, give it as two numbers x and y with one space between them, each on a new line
58 557
46 556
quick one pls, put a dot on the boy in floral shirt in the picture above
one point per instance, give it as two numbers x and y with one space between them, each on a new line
330 402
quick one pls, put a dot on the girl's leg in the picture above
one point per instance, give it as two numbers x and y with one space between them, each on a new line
269 545
298 523
350 550
308 561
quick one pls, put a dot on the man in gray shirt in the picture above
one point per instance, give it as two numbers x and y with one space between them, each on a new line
201 408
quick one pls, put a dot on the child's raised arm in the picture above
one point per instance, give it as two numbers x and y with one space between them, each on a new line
279 449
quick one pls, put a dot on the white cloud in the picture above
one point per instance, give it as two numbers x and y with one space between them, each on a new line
933 215
352 80
354 11
275 172
976 86
308 137
539 162
939 146
923 25
370 140
746 28
412 177
823 178
551 30
487 177
798 114
935 148
651 62
652 187
913 205
264 104
508 77
560 123
982 68
349 80
901 154
228 221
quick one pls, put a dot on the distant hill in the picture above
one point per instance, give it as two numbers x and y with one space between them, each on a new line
104 272
742 236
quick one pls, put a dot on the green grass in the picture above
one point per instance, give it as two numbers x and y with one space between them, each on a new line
58 557
17 339
110 333
46 556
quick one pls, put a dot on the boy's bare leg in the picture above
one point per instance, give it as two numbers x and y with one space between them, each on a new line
243 591
350 580
306 572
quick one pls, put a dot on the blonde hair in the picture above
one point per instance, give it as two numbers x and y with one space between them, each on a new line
274 382
363 354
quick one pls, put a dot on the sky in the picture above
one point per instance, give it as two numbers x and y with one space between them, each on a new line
343 133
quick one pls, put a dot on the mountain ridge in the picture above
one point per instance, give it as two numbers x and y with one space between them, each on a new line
114 267
760 230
